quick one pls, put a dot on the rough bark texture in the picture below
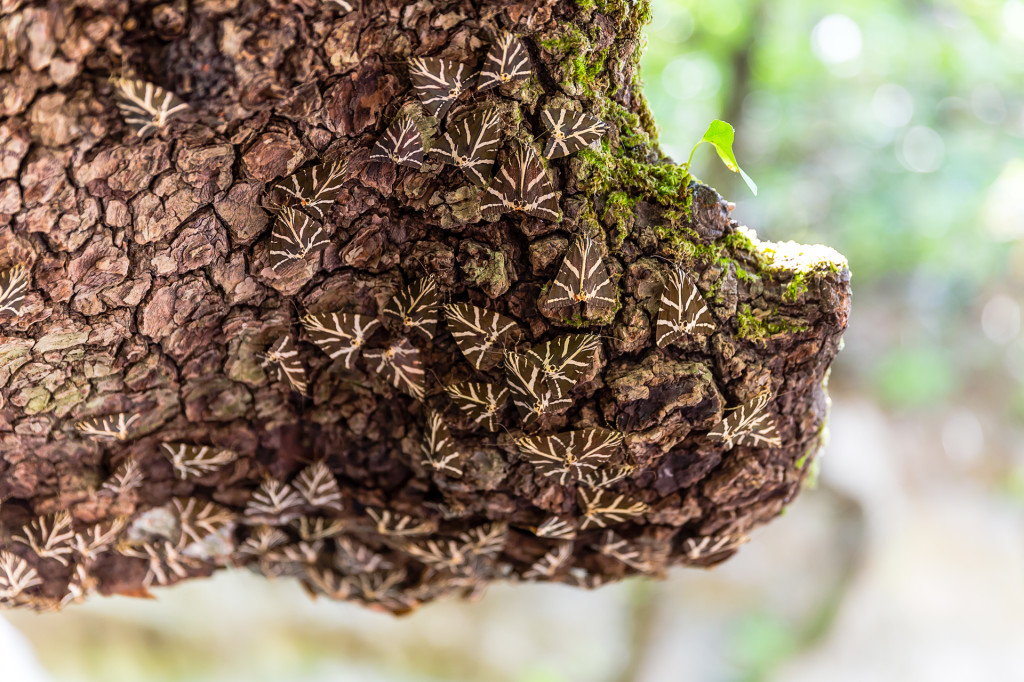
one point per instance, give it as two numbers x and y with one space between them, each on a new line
151 291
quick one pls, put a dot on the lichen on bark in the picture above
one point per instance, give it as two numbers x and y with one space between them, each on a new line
152 291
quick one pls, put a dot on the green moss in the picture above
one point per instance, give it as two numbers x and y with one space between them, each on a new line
754 325
600 171
796 287
619 209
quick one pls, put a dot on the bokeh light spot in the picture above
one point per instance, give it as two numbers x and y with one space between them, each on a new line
922 150
1000 319
836 39
892 105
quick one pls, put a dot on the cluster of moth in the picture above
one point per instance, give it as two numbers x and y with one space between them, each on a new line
293 525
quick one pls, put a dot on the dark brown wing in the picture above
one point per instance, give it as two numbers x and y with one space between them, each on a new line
415 307
521 186
481 334
437 82
570 131
582 280
401 143
682 311
472 145
507 61
314 190
295 236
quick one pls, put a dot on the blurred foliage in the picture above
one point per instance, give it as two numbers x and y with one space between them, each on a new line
893 132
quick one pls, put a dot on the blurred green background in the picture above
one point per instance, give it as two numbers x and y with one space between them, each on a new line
892 131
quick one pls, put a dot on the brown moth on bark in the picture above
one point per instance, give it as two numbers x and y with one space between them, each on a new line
188 378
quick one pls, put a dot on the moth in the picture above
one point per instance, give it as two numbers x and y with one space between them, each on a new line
199 519
607 476
13 286
521 186
49 537
390 523
437 82
401 144
16 576
600 508
115 426
313 190
708 545
400 364
570 456
570 131
480 333
582 281
193 461
440 554
485 540
438 447
274 502
415 307
531 393
682 310
146 107
285 356
98 539
617 547
555 528
750 424
507 61
262 541
294 237
355 557
472 145
317 484
483 403
564 360
125 478
340 335
550 564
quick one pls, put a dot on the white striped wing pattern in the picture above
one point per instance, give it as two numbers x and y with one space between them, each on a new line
522 187
313 190
682 310
570 456
415 307
583 280
145 107
401 143
531 393
115 426
193 461
400 365
564 360
750 424
480 334
601 507
284 355
570 131
13 285
507 61
437 82
340 335
472 145
294 237
438 447
483 403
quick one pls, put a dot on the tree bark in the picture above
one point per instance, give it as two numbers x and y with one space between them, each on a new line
151 292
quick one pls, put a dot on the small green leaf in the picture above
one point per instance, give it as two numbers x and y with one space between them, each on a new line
721 135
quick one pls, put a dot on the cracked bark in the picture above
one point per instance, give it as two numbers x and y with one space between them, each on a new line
151 291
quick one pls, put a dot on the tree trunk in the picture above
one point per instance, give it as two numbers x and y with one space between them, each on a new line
151 294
